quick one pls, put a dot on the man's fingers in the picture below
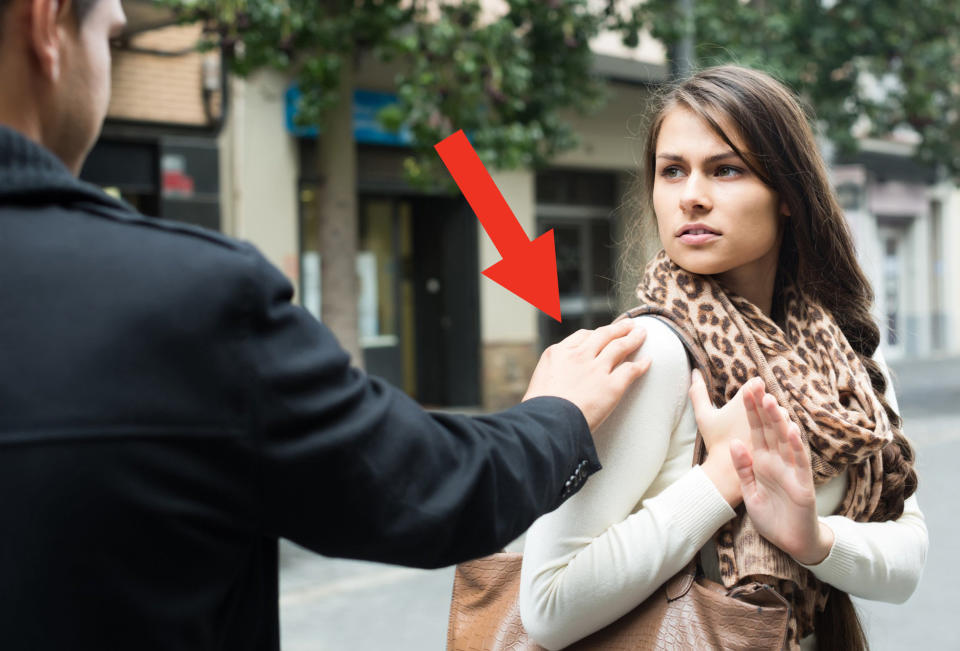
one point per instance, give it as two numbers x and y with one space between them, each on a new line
576 338
702 407
599 338
619 349
743 463
629 372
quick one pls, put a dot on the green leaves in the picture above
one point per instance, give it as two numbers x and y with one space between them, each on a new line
505 81
839 55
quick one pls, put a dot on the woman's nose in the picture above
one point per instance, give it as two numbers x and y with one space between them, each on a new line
695 197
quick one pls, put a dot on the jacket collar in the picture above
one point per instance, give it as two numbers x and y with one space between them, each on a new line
29 172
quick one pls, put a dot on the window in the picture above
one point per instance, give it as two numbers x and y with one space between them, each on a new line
578 207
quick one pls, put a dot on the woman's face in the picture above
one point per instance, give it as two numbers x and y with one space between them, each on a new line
714 215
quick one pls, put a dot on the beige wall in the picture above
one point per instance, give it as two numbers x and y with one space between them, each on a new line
152 88
611 139
504 317
508 324
259 171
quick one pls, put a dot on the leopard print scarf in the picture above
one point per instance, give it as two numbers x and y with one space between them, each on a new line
812 371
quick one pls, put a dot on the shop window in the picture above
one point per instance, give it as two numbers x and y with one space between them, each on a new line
578 206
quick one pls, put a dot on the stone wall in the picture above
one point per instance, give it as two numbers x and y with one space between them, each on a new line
507 368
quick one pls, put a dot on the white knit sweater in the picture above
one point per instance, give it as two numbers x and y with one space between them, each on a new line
645 515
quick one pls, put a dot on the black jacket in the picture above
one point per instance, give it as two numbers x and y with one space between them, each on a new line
166 414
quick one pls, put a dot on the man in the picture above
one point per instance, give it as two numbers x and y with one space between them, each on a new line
166 413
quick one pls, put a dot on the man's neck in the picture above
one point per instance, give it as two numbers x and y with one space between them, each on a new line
22 102
17 110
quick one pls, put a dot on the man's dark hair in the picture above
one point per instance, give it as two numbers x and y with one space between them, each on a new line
81 9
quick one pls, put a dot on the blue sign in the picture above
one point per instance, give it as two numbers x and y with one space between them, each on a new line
366 128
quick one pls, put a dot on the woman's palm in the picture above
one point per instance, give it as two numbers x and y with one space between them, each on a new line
780 500
776 478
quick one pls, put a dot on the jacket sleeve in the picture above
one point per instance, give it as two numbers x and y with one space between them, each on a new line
351 467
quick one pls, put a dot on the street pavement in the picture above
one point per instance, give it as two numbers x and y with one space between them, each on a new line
334 605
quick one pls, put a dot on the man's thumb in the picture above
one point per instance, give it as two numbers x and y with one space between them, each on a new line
702 406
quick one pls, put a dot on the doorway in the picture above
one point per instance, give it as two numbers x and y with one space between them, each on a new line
419 298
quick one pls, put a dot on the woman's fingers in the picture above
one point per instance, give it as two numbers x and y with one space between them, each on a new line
801 458
781 422
743 463
702 407
753 417
774 422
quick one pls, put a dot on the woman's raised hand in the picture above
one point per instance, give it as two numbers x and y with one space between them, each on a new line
719 427
777 483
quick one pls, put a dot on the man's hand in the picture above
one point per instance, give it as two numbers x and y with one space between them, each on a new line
590 369
777 484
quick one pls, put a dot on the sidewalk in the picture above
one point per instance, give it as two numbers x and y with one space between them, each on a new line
332 604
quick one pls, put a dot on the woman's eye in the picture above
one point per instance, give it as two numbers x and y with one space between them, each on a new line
727 170
670 172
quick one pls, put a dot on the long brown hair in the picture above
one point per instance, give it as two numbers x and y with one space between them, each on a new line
817 254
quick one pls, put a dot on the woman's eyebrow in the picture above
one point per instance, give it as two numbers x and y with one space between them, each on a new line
710 159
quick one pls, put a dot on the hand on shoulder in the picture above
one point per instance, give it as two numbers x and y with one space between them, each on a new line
591 369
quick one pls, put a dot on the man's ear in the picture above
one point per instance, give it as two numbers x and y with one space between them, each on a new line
46 19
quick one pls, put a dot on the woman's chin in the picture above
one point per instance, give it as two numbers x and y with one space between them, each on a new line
699 267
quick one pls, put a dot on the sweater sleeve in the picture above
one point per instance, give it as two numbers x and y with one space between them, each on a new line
881 561
599 556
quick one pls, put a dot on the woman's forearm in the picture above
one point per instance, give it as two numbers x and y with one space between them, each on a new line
881 561
600 580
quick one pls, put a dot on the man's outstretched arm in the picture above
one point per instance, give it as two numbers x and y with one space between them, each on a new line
350 466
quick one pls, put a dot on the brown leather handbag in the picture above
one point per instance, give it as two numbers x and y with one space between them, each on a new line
688 612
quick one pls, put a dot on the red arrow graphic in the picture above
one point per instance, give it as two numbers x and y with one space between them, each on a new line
528 269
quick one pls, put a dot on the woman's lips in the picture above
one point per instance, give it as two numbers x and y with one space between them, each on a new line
698 236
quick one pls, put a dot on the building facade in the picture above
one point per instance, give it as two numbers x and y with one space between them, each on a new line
159 148
906 223
428 321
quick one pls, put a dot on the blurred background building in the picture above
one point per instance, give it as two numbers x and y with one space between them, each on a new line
185 141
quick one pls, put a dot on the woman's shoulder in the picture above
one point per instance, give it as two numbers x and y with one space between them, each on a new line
658 397
662 343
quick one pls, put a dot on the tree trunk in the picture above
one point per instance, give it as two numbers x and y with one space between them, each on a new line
338 226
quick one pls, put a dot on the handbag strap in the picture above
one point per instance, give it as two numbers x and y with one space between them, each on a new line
696 355
678 585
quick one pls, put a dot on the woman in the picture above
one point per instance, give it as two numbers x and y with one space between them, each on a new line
758 269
